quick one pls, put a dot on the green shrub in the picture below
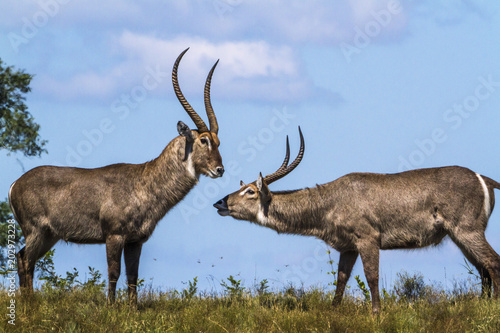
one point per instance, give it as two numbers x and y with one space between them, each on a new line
410 287
190 292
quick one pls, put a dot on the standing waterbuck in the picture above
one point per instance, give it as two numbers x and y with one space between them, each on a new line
118 204
362 213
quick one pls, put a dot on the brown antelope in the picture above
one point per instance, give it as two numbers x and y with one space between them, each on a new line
118 204
362 213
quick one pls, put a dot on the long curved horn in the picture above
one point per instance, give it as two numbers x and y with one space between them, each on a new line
214 127
200 124
270 178
283 169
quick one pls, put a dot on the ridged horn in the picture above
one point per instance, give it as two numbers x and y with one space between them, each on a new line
200 124
285 162
214 127
284 169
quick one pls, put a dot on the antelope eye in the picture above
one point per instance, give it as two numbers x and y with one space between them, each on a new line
204 141
250 191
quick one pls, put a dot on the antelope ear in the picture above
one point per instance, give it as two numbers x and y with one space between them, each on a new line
185 131
260 182
262 187
242 184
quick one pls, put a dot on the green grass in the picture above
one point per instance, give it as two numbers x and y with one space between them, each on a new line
65 304
84 309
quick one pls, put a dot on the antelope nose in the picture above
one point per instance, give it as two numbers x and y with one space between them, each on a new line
220 171
222 203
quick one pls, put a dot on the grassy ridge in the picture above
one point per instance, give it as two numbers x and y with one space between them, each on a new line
84 309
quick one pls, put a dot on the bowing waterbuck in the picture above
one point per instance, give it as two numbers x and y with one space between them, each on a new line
362 213
118 204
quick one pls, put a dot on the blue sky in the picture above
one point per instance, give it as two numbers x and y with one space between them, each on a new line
376 86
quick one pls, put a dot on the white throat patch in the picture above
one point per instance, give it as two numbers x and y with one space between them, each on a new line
486 204
190 167
261 217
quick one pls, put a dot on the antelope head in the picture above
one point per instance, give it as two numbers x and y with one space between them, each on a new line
251 202
202 144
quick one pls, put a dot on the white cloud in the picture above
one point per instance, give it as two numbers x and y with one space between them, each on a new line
14 13
248 70
241 59
286 21
258 42
298 21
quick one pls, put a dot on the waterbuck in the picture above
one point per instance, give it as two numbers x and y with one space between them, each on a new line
362 213
118 204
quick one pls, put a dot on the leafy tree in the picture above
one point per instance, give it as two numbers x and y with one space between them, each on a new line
18 133
18 130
